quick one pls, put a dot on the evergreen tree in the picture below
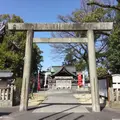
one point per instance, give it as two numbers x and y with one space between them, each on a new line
12 49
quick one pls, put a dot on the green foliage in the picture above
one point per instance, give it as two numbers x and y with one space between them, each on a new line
37 58
113 44
12 49
114 50
81 65
101 72
95 16
69 58
12 52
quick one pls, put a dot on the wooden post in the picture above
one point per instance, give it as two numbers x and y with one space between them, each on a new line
117 95
3 92
93 72
108 89
27 70
7 93
111 94
11 92
0 94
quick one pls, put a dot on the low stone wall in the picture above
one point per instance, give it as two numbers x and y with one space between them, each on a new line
5 103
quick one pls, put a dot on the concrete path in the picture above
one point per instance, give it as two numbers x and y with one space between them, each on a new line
62 106
29 115
105 115
65 103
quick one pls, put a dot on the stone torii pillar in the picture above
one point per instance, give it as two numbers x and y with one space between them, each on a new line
89 27
93 72
27 71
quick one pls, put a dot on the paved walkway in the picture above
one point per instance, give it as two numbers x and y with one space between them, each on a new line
62 106
64 102
104 115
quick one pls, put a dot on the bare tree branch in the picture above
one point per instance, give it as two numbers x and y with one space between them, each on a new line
104 6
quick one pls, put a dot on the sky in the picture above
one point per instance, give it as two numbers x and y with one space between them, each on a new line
40 11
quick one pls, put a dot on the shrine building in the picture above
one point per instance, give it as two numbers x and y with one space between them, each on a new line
61 77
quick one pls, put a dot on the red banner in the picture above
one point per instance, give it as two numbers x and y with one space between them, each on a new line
80 79
38 84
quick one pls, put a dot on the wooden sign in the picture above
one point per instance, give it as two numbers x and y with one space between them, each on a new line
116 81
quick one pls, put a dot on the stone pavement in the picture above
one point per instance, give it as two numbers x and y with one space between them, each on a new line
29 115
62 106
8 110
65 103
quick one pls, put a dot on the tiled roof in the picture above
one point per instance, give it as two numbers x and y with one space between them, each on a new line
71 69
68 69
5 74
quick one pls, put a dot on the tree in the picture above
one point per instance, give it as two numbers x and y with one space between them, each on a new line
102 72
12 47
113 52
114 7
12 52
69 58
80 50
114 46
80 65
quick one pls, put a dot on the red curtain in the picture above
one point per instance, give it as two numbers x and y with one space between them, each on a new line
38 85
80 79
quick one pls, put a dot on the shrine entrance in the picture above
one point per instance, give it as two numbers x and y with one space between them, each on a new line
89 39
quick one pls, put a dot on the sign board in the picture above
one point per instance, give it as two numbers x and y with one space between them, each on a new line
116 81
103 87
116 86
116 78
63 84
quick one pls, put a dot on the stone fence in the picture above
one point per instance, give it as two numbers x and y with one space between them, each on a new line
6 96
114 95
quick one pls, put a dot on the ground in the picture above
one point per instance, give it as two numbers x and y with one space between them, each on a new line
61 106
36 99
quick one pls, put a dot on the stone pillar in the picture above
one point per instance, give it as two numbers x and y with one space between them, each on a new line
26 72
93 72
11 94
83 79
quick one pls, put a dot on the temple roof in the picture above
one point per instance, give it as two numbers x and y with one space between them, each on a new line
70 70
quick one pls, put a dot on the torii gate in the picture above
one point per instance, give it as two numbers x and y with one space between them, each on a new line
89 27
